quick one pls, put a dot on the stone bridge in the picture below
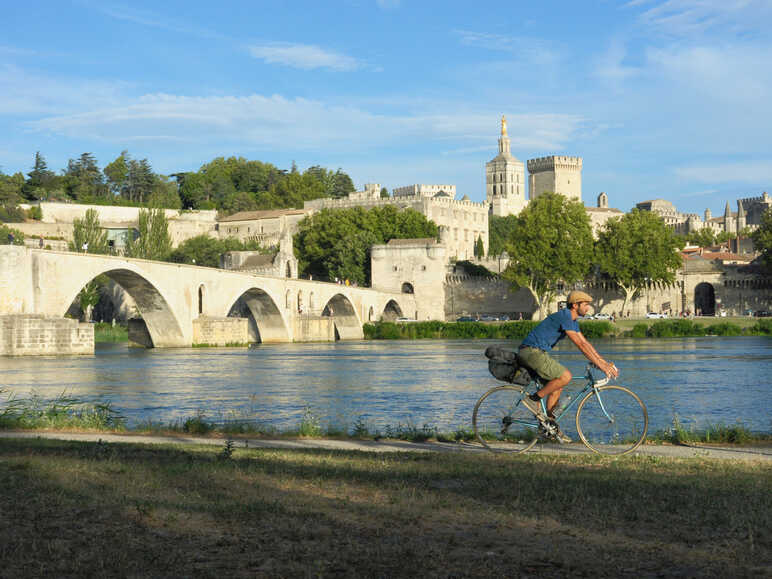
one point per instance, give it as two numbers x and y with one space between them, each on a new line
174 298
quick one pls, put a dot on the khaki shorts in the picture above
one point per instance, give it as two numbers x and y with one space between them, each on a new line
541 362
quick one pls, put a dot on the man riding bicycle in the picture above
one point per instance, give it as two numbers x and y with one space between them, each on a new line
533 353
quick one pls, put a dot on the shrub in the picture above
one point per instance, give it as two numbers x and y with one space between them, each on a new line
599 329
639 331
12 214
35 212
197 425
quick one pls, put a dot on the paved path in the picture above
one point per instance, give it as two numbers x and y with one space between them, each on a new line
755 452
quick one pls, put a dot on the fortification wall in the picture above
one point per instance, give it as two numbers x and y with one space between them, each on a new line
66 212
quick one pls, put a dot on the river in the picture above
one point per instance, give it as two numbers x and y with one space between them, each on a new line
703 381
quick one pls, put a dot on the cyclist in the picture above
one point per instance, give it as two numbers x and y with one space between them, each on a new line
534 350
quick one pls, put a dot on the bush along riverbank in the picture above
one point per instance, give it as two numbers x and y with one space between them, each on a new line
595 329
67 413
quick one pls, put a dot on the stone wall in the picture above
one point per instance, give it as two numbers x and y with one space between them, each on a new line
36 335
220 331
473 296
309 328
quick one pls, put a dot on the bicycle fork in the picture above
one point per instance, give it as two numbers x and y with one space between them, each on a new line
603 408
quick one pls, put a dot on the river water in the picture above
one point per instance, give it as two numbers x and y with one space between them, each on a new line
703 381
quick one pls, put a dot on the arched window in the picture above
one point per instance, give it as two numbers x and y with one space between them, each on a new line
407 288
288 300
200 299
289 269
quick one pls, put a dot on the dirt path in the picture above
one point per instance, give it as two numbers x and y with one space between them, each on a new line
749 452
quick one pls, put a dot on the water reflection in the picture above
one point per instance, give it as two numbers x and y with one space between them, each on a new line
702 380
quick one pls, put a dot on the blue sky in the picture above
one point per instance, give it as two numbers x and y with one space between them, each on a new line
662 99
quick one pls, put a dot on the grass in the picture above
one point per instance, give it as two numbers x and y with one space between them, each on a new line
102 509
106 332
712 434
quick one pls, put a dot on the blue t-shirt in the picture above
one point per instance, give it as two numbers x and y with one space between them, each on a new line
551 330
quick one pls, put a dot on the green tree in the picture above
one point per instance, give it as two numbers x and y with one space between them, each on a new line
479 248
153 241
333 244
5 231
117 172
83 179
164 194
384 193
11 189
636 251
500 230
139 182
206 251
89 297
88 230
342 185
762 238
552 243
40 179
702 237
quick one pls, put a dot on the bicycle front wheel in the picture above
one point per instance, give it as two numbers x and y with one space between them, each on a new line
612 420
502 423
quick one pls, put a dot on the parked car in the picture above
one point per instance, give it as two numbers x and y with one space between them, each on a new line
654 315
404 320
488 319
466 319
601 317
762 314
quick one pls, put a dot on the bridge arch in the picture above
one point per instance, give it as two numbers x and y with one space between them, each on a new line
705 299
265 320
162 324
391 311
344 315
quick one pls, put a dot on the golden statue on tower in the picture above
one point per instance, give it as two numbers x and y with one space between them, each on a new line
503 126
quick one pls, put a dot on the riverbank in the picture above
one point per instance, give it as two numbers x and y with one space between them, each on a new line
100 508
591 329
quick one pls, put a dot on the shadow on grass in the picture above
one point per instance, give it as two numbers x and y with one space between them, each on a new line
91 508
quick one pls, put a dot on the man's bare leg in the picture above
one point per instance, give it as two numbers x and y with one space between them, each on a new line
553 389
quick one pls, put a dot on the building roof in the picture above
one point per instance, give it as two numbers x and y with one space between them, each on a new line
603 209
256 215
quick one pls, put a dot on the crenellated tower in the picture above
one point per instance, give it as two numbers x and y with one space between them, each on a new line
505 179
557 174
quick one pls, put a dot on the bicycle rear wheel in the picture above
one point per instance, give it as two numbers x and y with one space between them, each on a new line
612 420
501 423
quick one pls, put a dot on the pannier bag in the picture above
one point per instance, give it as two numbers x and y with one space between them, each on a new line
504 366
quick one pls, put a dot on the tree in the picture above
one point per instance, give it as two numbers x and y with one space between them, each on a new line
384 193
342 185
637 250
762 238
332 244
11 189
88 298
117 172
39 178
84 179
88 230
153 241
702 237
479 248
206 251
164 194
500 229
552 243
139 182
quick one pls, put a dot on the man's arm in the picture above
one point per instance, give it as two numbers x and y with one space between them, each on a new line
592 354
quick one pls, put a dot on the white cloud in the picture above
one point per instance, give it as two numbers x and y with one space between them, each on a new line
535 50
304 56
748 172
300 124
695 17
25 93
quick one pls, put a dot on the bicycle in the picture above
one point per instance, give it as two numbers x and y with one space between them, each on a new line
610 419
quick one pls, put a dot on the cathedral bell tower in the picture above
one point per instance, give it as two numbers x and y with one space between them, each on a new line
505 179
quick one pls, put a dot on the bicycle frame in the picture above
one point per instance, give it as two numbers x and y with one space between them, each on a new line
591 384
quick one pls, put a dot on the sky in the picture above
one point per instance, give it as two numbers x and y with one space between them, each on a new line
662 99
